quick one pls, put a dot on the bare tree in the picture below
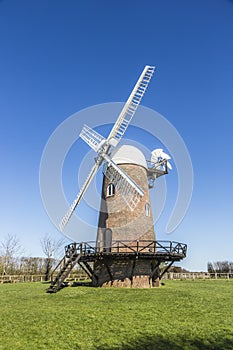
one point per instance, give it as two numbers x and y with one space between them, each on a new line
32 265
220 266
10 250
210 267
51 248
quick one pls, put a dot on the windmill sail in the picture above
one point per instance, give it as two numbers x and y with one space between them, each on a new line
80 195
130 192
131 106
92 138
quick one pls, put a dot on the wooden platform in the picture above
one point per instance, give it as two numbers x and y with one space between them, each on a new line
125 263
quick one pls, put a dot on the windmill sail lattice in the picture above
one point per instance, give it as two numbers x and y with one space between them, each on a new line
92 138
80 195
131 106
130 192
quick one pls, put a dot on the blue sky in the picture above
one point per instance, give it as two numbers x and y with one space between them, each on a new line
59 57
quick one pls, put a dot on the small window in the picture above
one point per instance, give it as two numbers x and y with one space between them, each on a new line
110 190
147 209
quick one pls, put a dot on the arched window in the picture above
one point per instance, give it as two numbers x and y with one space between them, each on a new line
110 190
147 209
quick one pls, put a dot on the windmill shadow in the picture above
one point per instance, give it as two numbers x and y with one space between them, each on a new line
158 342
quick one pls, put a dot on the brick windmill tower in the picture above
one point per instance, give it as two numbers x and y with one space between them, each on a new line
125 253
116 220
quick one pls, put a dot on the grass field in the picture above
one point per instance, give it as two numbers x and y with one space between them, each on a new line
180 315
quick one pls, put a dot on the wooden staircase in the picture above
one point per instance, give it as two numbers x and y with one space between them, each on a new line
65 265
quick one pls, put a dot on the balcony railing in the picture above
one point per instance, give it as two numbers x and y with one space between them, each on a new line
139 247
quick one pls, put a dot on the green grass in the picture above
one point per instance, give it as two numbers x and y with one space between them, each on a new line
180 315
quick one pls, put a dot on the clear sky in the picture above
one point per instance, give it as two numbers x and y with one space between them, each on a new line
58 57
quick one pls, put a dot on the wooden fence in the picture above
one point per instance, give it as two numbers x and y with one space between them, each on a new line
38 278
83 277
196 275
21 278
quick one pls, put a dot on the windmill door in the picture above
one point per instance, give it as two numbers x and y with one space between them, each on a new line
107 239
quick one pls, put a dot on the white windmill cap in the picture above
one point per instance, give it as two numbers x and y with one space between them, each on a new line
127 154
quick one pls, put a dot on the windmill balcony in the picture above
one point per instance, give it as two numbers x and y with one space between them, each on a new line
143 248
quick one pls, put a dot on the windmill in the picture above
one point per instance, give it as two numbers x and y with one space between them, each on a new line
125 252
